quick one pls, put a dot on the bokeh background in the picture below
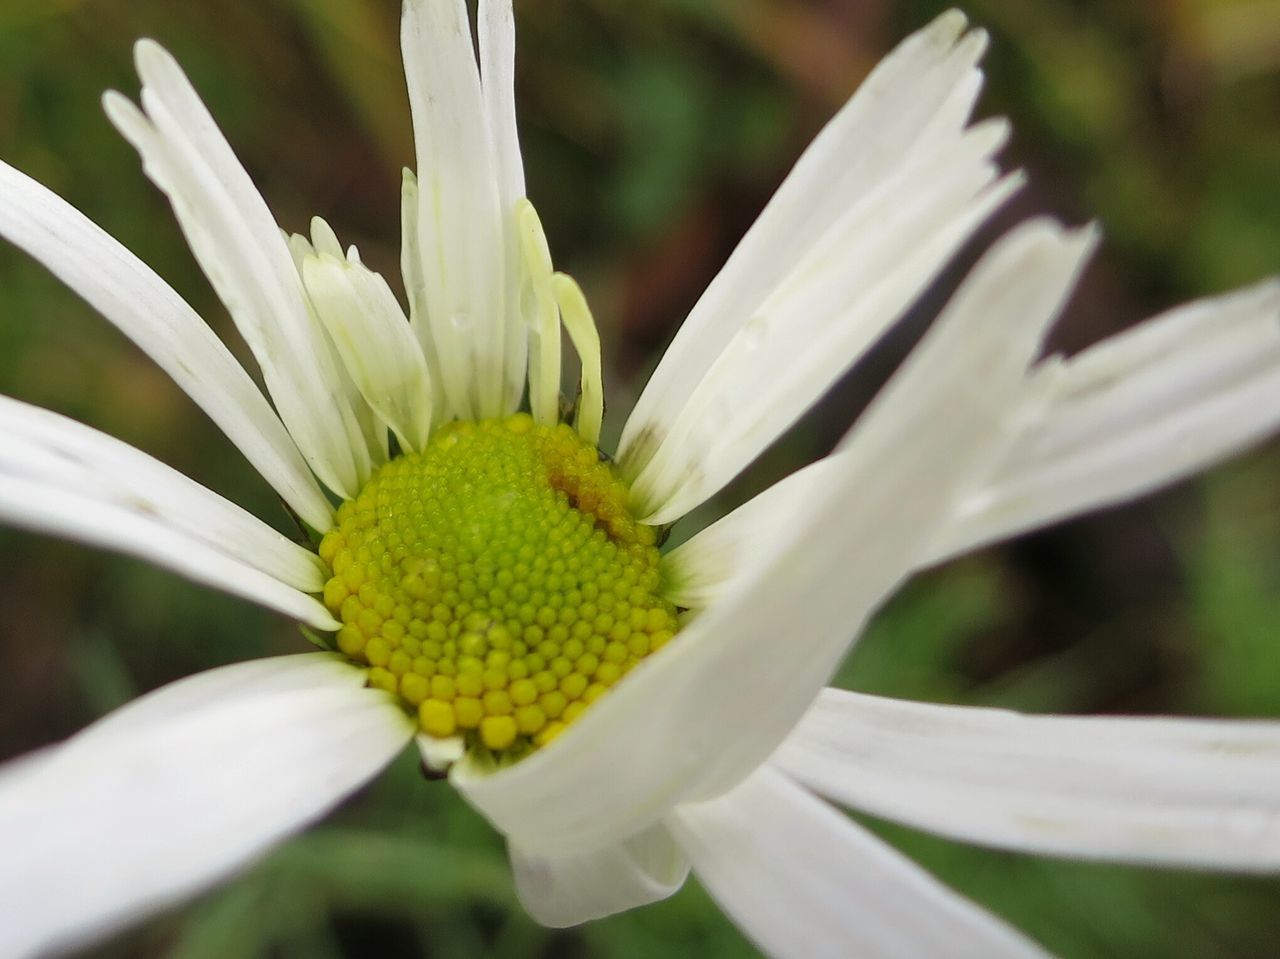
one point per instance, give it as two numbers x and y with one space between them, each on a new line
654 131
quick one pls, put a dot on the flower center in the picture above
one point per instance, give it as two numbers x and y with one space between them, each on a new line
496 581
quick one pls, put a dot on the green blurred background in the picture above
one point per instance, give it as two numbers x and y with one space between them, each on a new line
654 130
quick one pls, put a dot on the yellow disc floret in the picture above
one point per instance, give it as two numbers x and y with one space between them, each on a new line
496 581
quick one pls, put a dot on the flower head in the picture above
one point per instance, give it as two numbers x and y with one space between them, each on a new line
494 587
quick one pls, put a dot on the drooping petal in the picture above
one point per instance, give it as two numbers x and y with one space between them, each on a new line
240 247
1125 417
805 882
103 831
561 891
148 311
1136 411
462 228
912 107
699 715
60 453
373 338
1178 792
35 505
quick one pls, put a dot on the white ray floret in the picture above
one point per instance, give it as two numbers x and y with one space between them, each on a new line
1184 792
544 328
854 283
148 311
1131 414
465 228
35 505
241 250
167 812
412 272
373 338
806 882
1139 410
910 112
60 453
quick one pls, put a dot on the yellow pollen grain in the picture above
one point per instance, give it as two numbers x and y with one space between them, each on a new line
497 582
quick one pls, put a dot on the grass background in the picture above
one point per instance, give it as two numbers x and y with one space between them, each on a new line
654 130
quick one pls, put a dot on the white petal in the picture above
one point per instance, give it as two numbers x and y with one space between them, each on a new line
373 337
415 287
496 27
35 505
240 248
539 285
110 829
912 106
704 567
581 327
149 312
853 286
561 891
1136 411
217 688
1125 417
1185 792
804 882
699 715
42 446
372 428
462 228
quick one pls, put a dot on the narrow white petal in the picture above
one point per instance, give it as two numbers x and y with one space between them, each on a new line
560 891
497 46
371 427
1125 417
496 27
699 715
1176 792
415 286
240 248
581 327
59 452
841 298
373 337
108 830
147 310
913 105
704 567
1139 410
462 226
217 688
544 326
805 882
35 505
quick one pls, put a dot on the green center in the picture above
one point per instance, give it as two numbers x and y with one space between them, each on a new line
496 581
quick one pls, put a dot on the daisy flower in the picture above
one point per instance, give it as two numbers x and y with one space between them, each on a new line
491 586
